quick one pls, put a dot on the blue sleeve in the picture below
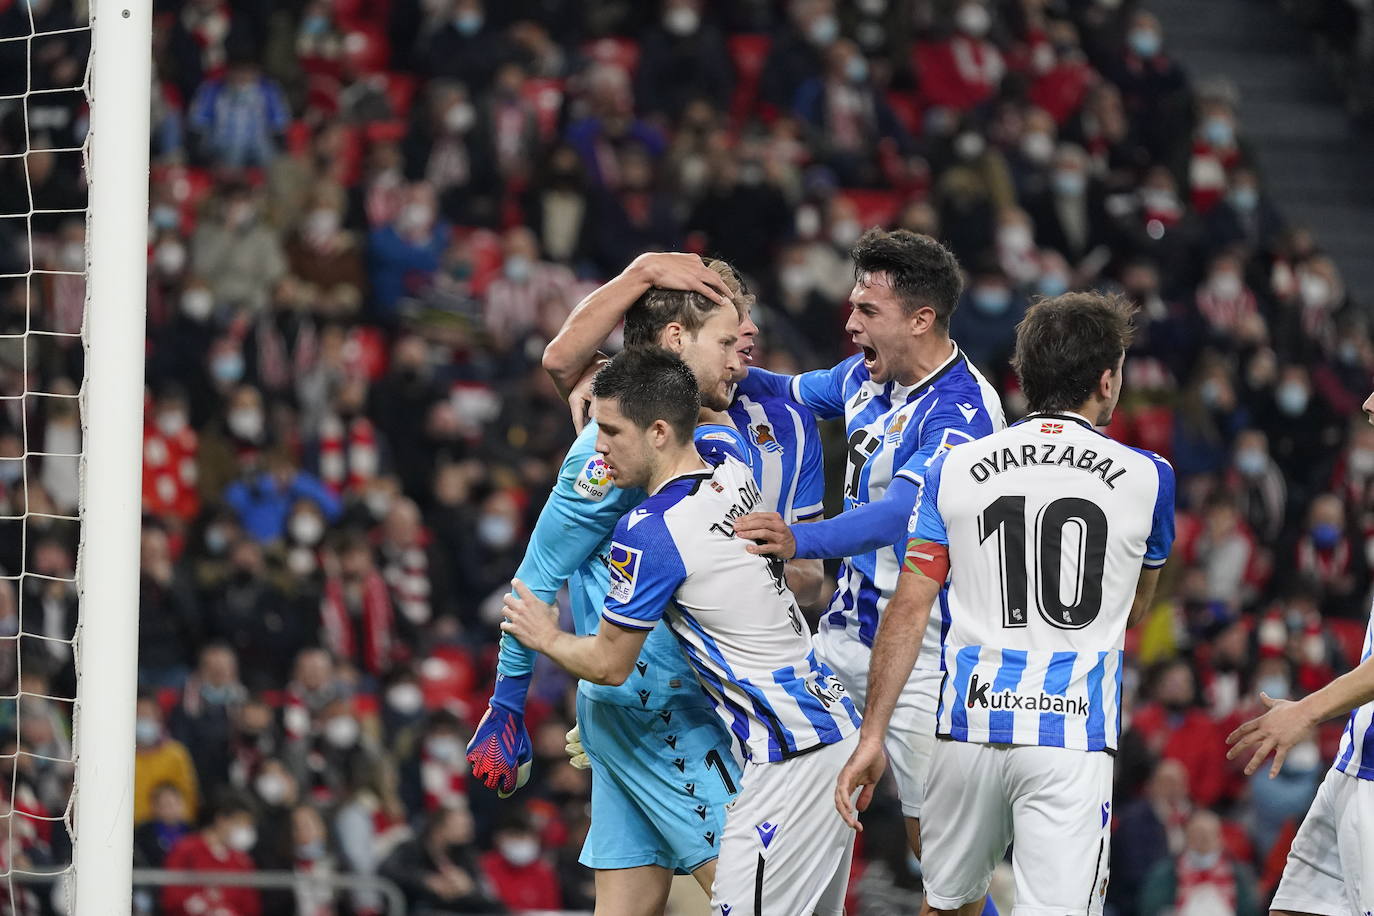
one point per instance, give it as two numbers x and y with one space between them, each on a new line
580 513
760 383
715 442
646 570
202 111
926 521
313 489
821 391
809 500
1161 539
948 426
873 526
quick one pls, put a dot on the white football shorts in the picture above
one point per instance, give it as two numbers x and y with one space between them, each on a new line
911 732
1330 868
1055 803
785 849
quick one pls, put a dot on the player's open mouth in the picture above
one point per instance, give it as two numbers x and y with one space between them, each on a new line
870 354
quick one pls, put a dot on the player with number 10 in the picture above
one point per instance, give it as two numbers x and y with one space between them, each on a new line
1051 535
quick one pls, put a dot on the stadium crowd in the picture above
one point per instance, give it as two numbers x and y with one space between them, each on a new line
364 229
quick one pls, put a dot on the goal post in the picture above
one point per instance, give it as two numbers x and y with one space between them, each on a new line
112 409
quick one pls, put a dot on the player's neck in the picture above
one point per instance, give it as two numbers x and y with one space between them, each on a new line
674 464
930 353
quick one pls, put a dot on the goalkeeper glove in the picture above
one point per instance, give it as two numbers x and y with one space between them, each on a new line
577 755
500 751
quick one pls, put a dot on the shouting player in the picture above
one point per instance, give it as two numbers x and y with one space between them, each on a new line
910 395
784 845
1332 856
1052 536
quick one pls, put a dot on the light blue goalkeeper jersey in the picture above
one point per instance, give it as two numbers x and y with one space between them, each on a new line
571 543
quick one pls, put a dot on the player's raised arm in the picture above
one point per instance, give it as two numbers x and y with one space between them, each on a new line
569 354
606 658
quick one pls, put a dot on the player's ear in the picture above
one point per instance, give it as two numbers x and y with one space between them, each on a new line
922 320
672 337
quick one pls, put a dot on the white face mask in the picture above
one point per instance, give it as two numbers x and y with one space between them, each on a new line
272 788
845 233
170 258
520 852
246 422
197 304
973 19
406 698
459 118
171 422
445 749
681 20
242 838
1037 146
342 731
306 528
1225 285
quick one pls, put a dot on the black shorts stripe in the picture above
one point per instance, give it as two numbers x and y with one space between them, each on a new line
758 887
1096 871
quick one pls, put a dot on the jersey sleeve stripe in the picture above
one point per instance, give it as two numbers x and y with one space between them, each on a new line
629 623
909 475
807 512
1154 564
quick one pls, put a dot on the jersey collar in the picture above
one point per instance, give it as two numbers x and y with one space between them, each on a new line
940 370
1060 415
704 474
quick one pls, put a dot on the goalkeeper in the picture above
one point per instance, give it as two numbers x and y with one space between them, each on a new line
659 808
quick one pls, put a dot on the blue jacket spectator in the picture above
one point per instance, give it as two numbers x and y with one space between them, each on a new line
264 502
239 117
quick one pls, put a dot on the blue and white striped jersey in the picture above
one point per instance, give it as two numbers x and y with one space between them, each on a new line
893 431
1048 524
571 543
676 557
786 456
1356 754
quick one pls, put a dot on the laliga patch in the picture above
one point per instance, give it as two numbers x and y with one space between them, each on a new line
594 480
624 565
948 440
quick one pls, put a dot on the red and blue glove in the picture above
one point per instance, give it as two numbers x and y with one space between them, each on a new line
500 751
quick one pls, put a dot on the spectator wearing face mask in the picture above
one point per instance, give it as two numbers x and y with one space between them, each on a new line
439 872
337 759
315 683
405 250
681 57
203 718
965 69
984 324
435 777
1326 558
250 612
357 617
449 146
516 867
1224 299
796 54
313 863
515 300
1148 830
1244 215
465 47
264 501
1257 482
846 118
170 448
239 255
1154 88
158 759
222 846
238 118
1216 151
1300 428
321 253
1204 880
1173 725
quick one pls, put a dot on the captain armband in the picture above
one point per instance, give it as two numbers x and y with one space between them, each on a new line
927 558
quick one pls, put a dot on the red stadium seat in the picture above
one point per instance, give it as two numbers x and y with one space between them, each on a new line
875 208
400 91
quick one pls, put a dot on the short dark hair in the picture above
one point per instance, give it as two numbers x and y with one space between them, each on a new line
227 802
1064 344
923 273
657 308
651 384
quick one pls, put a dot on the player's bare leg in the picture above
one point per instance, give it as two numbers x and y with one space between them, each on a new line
706 875
913 835
641 891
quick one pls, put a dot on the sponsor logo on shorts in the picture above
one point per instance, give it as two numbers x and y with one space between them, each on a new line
766 833
623 563
594 481
980 694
